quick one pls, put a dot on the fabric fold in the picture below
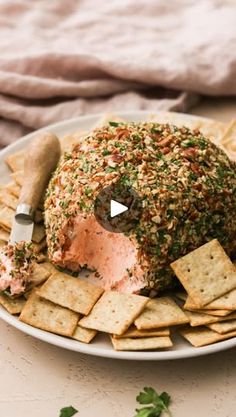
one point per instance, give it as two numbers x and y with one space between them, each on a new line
62 59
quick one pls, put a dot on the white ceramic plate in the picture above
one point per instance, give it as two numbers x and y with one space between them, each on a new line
101 346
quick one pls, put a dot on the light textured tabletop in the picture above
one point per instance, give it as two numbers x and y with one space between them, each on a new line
37 379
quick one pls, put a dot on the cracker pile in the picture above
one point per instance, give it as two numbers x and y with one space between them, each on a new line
203 313
209 278
90 310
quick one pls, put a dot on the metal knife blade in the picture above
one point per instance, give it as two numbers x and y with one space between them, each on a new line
21 230
23 225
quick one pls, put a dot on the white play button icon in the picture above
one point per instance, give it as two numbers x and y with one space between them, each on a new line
117 208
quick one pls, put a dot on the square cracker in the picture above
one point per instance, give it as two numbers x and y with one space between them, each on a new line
74 293
49 267
228 140
212 129
206 273
18 177
28 293
160 312
6 218
181 295
199 318
114 312
38 233
224 326
7 199
229 134
84 335
39 247
225 302
38 217
4 235
202 336
67 142
40 274
106 118
41 258
13 188
47 316
12 305
2 244
145 343
135 333
11 201
219 313
16 161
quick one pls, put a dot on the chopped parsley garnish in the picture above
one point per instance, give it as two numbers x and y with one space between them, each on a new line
82 204
67 156
171 187
156 403
175 249
105 152
176 161
202 143
53 237
188 143
68 411
221 171
159 155
70 189
158 250
85 166
19 255
110 169
125 180
169 213
192 176
115 124
139 234
87 190
156 129
161 236
63 204
137 137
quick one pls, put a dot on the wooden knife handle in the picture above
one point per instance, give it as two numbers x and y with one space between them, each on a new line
41 159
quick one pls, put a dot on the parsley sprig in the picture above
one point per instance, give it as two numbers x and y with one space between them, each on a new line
68 411
158 403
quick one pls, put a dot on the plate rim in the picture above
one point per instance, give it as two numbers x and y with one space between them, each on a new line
74 345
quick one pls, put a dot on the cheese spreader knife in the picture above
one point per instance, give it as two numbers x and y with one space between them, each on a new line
41 159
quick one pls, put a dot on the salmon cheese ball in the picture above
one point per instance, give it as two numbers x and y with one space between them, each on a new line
187 186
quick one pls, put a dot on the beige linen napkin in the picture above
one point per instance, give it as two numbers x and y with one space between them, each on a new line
61 59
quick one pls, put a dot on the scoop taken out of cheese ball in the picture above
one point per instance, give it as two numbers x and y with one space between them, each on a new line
187 186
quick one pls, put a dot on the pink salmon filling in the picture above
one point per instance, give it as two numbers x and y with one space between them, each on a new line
112 255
